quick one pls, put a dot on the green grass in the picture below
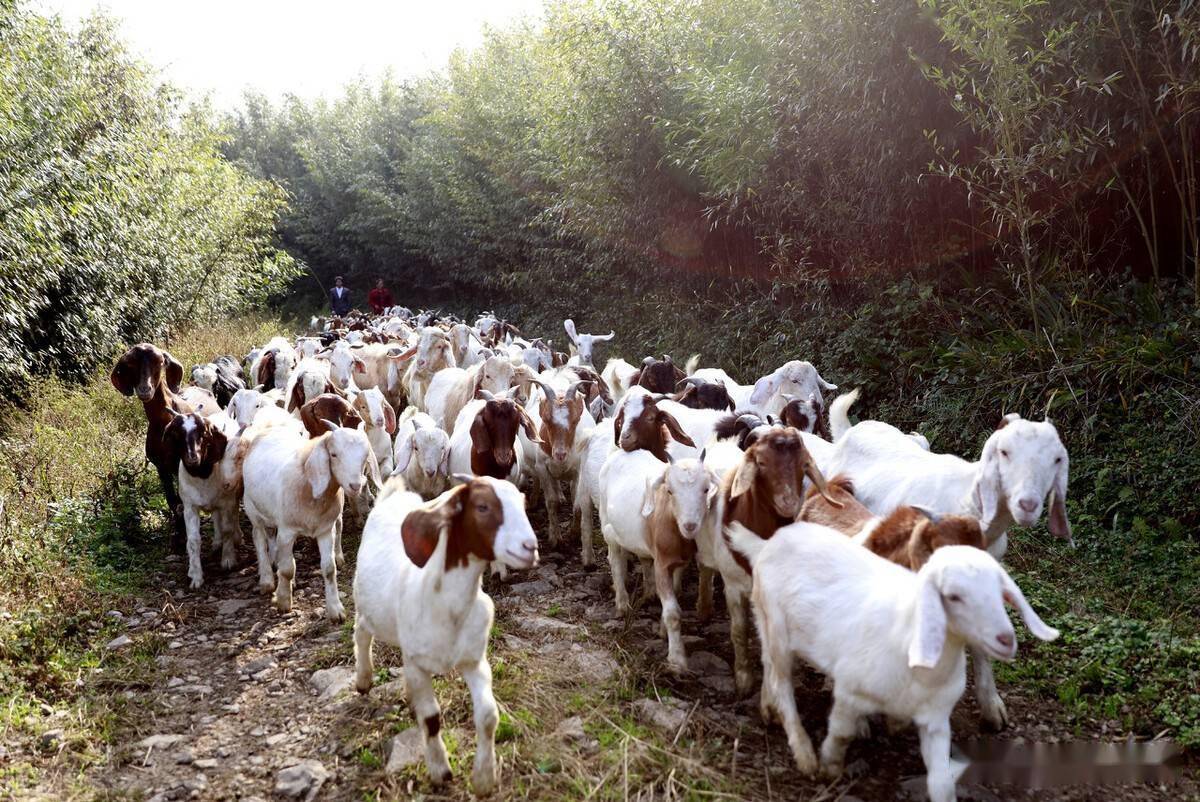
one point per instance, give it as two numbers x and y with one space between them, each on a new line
83 527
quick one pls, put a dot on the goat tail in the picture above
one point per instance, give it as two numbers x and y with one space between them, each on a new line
839 413
744 541
692 363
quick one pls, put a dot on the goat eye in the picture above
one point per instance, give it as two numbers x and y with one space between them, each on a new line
1058 460
954 597
481 508
1004 453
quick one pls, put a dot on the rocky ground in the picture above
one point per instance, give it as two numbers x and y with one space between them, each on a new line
251 704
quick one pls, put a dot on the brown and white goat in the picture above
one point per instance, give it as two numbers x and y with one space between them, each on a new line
328 407
658 376
559 417
763 492
199 445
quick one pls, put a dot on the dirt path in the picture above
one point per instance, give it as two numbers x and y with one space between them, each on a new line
253 704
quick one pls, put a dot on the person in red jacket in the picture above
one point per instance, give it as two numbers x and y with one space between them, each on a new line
380 298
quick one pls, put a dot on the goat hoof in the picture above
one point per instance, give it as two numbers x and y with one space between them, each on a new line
363 687
831 770
744 682
336 615
282 605
678 667
440 776
266 587
197 583
485 780
995 716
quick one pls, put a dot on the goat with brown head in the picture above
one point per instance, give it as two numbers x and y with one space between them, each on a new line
658 376
494 435
641 424
560 414
328 407
698 393
154 376
193 441
805 415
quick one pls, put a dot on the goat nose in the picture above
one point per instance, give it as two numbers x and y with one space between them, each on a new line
690 526
1028 504
1005 640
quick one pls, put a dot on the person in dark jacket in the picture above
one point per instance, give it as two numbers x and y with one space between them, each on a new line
380 298
339 298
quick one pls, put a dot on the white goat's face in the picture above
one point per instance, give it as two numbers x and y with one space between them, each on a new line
496 375
244 405
431 449
349 453
632 406
372 402
433 350
971 590
308 346
515 544
355 337
343 361
313 384
689 487
1025 461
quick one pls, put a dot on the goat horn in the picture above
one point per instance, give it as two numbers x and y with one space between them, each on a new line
486 395
648 361
550 392
696 380
574 388
667 359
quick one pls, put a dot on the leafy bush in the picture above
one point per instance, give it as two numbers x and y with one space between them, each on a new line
119 218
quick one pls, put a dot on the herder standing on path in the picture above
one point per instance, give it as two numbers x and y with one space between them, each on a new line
339 298
380 298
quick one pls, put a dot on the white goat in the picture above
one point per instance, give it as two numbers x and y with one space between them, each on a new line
422 453
584 343
452 388
296 486
1022 462
418 586
890 639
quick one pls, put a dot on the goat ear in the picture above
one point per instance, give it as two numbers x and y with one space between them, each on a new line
420 533
389 418
569 325
714 487
359 365
766 387
404 451
1057 523
124 374
987 484
481 441
1014 596
929 635
444 465
373 469
219 443
172 439
173 371
527 425
920 544
296 399
618 425
743 479
675 429
316 469
652 486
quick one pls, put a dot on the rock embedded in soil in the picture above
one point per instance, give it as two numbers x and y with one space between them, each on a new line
231 606
571 729
407 749
331 682
118 642
161 741
535 588
664 717
302 780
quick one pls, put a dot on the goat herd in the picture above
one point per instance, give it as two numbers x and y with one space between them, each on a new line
881 577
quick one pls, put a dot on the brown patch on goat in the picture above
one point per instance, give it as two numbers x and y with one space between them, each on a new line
558 441
328 407
849 519
660 376
670 548
471 514
908 537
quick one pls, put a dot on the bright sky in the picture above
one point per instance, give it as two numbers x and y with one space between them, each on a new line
308 47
